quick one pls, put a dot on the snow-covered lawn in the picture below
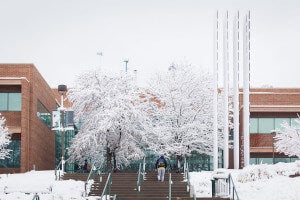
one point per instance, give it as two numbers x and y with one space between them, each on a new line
257 182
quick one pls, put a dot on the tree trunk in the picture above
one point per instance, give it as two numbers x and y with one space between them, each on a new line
115 161
179 159
108 159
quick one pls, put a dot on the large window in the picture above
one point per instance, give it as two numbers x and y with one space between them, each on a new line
267 125
14 157
258 161
10 101
43 114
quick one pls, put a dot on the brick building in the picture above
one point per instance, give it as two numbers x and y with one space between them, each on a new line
269 107
26 101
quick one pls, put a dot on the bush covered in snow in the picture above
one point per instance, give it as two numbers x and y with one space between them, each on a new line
264 171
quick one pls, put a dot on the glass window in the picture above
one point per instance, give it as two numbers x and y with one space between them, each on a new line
295 122
14 101
266 125
254 125
280 121
10 101
43 114
3 101
14 160
265 161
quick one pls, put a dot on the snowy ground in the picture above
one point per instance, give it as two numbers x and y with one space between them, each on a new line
257 182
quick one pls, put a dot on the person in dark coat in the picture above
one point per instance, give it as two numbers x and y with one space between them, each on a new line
161 165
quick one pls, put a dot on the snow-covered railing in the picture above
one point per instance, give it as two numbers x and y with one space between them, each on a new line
91 175
223 185
36 197
220 185
170 186
57 176
107 188
187 179
141 175
139 179
232 189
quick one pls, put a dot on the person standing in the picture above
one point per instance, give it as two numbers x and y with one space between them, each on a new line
161 165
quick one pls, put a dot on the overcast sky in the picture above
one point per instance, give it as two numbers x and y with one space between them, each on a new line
62 37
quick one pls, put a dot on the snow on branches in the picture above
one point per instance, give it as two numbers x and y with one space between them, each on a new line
111 123
4 139
288 140
183 122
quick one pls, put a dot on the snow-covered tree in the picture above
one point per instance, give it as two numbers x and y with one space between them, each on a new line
182 112
287 141
4 139
111 121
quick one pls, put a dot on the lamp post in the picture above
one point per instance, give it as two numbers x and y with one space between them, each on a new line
62 89
126 63
273 133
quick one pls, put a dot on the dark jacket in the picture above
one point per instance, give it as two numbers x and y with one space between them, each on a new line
164 160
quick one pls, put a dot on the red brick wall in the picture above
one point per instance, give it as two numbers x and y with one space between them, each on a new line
37 140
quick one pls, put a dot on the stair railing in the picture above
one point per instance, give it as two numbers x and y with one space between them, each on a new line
57 168
187 178
139 179
170 186
107 188
36 197
232 190
144 168
91 175
115 197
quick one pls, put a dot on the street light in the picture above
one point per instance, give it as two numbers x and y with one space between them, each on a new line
58 121
62 89
126 63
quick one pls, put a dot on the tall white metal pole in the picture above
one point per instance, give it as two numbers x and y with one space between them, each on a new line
246 89
226 88
236 62
215 92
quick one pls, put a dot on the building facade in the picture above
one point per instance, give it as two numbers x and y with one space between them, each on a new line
269 108
26 101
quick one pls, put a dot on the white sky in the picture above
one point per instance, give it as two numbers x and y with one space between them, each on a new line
62 38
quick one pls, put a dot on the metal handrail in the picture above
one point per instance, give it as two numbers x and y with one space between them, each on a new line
234 191
36 197
107 187
87 180
144 168
138 183
115 197
170 186
57 169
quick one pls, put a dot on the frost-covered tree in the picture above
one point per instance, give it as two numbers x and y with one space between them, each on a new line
182 112
111 121
288 140
4 139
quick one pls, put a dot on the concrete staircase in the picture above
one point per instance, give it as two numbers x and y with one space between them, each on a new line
124 185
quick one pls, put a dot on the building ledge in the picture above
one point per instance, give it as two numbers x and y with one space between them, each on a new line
261 149
12 80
